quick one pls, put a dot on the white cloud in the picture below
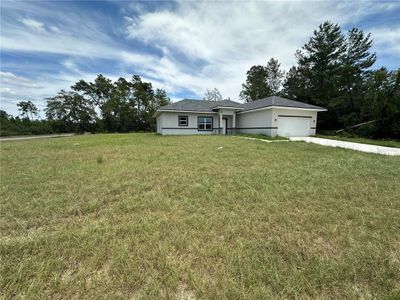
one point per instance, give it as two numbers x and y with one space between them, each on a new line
7 91
31 23
15 88
83 42
54 28
221 41
8 78
387 40
71 65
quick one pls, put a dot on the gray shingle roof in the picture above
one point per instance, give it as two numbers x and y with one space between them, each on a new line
228 103
203 105
277 101
199 105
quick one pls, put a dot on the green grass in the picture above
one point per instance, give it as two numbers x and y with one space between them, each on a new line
386 143
263 137
144 216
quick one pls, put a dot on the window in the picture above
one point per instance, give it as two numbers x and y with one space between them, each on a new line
205 123
183 121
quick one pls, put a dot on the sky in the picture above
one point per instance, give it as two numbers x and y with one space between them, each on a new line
183 47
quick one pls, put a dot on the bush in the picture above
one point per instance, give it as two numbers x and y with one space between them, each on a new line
15 126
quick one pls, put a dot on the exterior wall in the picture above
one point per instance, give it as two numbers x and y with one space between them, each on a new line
267 121
169 123
294 112
159 123
255 122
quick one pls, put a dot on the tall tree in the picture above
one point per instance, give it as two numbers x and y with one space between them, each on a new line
295 85
355 64
274 76
72 109
320 60
213 95
98 92
4 115
28 109
143 95
331 72
319 64
255 86
262 81
382 102
160 99
118 113
123 105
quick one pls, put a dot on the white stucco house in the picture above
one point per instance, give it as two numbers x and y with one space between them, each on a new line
270 116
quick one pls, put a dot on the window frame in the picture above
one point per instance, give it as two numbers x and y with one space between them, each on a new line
179 121
205 123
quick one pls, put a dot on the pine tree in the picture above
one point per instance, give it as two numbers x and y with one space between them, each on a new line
255 87
295 85
319 67
262 81
355 64
274 76
320 60
383 102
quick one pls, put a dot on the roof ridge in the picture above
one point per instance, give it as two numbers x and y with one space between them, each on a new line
190 99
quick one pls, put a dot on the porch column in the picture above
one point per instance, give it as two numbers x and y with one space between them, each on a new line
220 122
234 123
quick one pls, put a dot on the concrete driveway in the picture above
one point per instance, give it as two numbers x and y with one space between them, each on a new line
349 145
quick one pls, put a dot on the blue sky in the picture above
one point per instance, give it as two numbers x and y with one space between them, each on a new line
182 47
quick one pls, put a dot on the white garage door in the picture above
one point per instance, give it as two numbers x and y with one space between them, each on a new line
293 126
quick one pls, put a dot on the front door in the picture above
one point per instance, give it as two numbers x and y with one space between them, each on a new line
224 125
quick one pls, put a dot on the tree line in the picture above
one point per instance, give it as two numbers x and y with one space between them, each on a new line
334 70
98 106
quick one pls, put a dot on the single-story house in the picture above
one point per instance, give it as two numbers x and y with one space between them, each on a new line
270 116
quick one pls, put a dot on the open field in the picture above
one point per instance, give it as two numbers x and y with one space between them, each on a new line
146 216
385 143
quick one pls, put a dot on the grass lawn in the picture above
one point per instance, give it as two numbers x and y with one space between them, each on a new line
145 216
385 143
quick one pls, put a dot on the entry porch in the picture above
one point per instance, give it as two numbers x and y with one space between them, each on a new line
227 122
